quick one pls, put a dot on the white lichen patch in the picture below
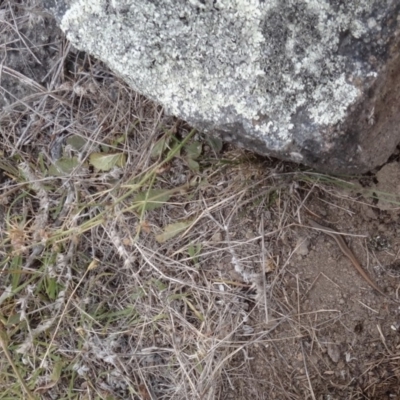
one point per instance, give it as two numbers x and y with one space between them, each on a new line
202 58
328 100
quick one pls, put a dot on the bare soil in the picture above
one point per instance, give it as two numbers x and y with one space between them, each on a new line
332 336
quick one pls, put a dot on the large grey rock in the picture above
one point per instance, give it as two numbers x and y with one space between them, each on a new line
312 81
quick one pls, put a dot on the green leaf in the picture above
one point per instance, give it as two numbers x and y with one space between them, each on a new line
159 147
194 251
105 148
13 319
215 143
173 230
193 150
51 288
77 142
16 263
193 165
158 284
138 293
42 164
175 147
152 199
105 162
57 369
63 166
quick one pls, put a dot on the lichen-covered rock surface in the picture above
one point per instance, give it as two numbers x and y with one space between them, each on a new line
313 81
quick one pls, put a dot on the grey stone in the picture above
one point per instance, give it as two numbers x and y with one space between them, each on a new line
311 81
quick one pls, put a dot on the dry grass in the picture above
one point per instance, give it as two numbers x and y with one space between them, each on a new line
138 259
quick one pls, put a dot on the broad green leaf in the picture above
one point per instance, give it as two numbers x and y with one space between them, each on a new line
57 369
193 150
105 162
77 142
158 284
52 288
63 166
152 199
159 147
174 147
215 143
173 230
13 319
194 249
105 148
193 165
138 293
